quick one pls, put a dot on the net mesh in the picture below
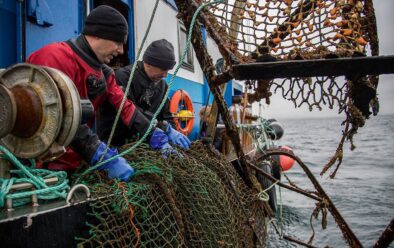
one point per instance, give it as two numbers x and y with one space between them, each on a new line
248 31
196 201
291 28
275 30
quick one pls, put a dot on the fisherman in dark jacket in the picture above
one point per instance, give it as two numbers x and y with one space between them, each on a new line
83 61
147 91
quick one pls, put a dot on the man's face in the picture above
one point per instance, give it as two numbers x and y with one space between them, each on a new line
106 50
155 73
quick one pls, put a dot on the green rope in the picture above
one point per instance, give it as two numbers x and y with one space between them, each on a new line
33 176
5 188
149 170
130 79
164 98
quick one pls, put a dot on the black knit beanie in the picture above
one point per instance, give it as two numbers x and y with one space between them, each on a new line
160 53
107 23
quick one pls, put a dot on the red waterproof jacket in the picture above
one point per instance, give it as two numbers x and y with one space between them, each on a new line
79 63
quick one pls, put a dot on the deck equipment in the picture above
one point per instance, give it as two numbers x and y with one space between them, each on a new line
41 111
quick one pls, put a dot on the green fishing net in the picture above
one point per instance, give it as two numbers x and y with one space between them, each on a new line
195 201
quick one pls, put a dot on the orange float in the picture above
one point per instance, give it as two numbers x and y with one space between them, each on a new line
181 107
286 162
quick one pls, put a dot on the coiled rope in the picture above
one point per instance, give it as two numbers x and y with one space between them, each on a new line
263 195
33 176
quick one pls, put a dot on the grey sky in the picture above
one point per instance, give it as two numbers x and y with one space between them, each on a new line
280 108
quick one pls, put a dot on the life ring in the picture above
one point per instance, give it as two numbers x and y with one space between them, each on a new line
181 108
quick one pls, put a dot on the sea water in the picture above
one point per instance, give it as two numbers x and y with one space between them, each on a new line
363 189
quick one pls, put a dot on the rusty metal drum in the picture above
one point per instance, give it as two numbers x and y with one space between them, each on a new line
41 111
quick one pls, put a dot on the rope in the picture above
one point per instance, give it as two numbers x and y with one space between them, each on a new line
136 231
164 98
36 178
262 141
280 213
263 195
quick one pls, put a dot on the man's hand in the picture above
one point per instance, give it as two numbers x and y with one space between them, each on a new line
177 138
117 168
159 141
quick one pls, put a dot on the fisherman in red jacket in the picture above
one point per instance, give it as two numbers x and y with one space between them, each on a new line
83 61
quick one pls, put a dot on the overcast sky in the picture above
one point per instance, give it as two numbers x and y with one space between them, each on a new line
280 108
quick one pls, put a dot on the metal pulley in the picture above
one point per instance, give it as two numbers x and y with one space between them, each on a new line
40 111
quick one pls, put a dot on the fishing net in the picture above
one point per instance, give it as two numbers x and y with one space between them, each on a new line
289 28
196 201
200 201
275 30
248 31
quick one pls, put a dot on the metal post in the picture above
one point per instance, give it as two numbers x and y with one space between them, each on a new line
5 167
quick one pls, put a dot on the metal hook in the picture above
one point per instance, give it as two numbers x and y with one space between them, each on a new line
73 189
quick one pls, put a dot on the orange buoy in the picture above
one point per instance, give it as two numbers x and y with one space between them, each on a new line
181 107
286 162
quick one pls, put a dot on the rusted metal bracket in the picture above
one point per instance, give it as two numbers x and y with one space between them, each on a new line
387 236
372 65
298 190
372 30
347 232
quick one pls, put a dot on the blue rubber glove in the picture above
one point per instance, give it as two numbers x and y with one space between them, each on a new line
177 138
159 141
118 168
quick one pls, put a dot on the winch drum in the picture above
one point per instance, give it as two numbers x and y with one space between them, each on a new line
40 111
